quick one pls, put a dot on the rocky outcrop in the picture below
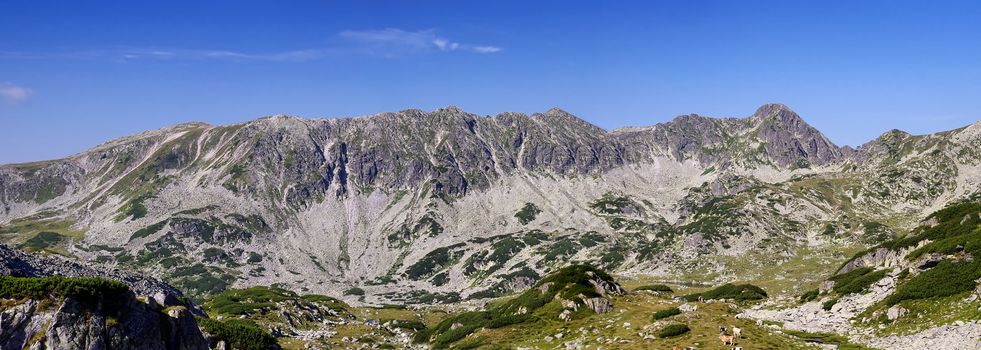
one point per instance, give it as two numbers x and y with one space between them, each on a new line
895 312
878 258
157 319
70 324
604 287
598 305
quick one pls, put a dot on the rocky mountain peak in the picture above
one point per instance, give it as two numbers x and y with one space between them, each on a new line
451 110
771 109
565 120
790 140
781 116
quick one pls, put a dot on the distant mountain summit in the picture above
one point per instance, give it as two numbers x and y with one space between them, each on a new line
444 201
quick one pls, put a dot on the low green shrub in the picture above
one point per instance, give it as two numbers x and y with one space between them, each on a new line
82 288
354 291
829 304
856 280
662 314
147 231
945 279
257 299
527 213
405 324
43 240
673 330
809 295
731 291
656 288
240 334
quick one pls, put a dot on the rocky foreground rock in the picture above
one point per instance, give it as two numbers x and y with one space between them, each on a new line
150 315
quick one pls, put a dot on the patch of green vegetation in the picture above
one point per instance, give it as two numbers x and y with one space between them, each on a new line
44 240
354 291
405 235
945 279
612 204
731 291
809 295
673 330
434 262
240 334
200 280
527 213
103 247
260 300
662 314
424 297
715 218
955 220
501 252
856 280
875 232
214 230
655 288
135 208
970 242
921 314
88 290
591 239
562 248
197 211
147 231
613 258
42 232
218 256
534 237
440 279
827 305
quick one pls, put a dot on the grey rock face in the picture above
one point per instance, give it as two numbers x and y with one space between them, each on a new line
895 312
881 257
599 305
13 325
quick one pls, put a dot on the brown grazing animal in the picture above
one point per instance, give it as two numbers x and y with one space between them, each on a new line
727 339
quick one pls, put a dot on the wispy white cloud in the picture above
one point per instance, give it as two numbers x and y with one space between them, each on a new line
388 42
173 54
394 41
12 93
486 49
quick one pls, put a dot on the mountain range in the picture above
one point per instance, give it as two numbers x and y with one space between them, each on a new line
445 206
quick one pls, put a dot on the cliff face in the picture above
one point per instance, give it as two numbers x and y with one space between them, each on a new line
445 200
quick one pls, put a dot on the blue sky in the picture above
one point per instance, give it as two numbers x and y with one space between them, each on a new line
76 73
